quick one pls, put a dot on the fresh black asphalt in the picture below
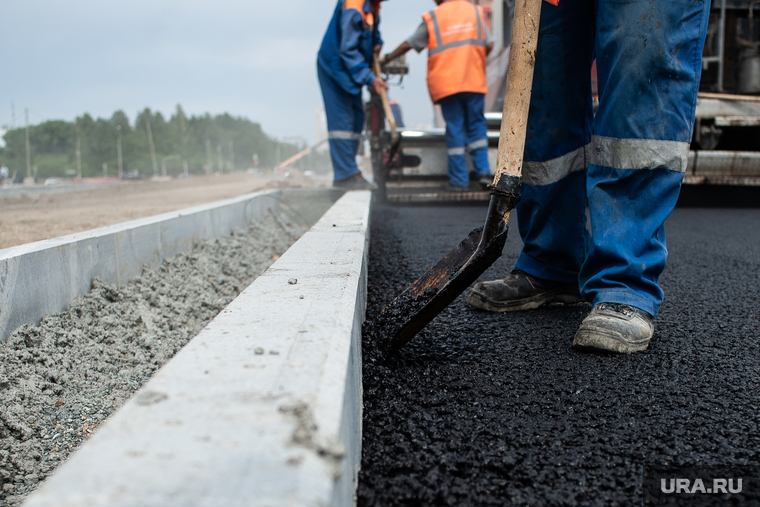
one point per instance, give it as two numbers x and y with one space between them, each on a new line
498 409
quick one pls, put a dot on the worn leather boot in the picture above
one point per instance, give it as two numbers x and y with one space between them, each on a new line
521 291
614 328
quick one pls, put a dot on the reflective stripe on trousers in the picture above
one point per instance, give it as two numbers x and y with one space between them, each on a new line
465 126
649 65
345 120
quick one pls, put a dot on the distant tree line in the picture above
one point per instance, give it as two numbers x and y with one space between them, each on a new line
206 143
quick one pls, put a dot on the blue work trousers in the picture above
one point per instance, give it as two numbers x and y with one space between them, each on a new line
465 131
345 121
626 162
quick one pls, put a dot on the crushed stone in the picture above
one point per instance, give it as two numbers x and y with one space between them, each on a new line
61 379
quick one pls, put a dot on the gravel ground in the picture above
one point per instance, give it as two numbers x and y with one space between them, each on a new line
60 380
497 409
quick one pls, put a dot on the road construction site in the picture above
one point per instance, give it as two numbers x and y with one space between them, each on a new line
268 401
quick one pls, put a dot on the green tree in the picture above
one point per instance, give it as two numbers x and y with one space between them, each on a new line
183 138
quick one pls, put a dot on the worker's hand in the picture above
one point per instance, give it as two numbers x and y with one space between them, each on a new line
385 59
379 85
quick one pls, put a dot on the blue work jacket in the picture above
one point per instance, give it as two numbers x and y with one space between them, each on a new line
346 51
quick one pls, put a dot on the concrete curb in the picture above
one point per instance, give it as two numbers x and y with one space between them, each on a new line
44 277
262 408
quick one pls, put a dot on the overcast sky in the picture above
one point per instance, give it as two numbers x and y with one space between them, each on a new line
250 58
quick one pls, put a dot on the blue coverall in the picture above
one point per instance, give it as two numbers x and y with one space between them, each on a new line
343 67
626 162
465 129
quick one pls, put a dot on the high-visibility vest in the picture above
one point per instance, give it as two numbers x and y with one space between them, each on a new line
456 49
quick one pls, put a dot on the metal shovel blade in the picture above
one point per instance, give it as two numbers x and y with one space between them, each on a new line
437 288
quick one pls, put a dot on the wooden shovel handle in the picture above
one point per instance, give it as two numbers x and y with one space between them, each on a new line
384 98
522 60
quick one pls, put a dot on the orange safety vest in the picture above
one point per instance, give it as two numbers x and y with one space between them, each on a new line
456 49
369 17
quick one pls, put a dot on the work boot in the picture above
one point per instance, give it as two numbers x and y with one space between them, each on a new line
355 182
480 181
521 291
448 187
615 328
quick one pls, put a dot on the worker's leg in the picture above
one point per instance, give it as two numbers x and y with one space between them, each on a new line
477 132
551 215
453 109
649 66
345 118
649 62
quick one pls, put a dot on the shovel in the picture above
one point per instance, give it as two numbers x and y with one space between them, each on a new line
395 137
406 315
386 103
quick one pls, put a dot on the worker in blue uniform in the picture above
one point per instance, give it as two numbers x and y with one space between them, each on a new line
344 66
626 163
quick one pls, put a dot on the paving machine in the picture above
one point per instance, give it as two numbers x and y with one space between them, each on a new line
725 148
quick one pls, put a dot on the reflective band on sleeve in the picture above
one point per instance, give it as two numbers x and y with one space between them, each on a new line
343 134
541 174
639 153
481 143
456 151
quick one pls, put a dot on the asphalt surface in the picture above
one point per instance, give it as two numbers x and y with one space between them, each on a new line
498 409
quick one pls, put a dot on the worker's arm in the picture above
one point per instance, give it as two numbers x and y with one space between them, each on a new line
489 40
401 50
418 41
352 27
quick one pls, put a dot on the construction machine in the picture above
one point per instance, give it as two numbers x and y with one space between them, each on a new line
725 148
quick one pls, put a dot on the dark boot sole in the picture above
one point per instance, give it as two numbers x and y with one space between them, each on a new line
482 302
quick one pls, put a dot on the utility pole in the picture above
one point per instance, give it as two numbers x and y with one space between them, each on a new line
219 154
13 116
181 116
79 156
105 170
232 158
28 152
118 151
150 145
209 162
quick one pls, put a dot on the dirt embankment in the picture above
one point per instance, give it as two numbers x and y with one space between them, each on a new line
27 219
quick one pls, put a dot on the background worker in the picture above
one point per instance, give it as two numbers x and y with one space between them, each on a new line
626 163
458 42
343 67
